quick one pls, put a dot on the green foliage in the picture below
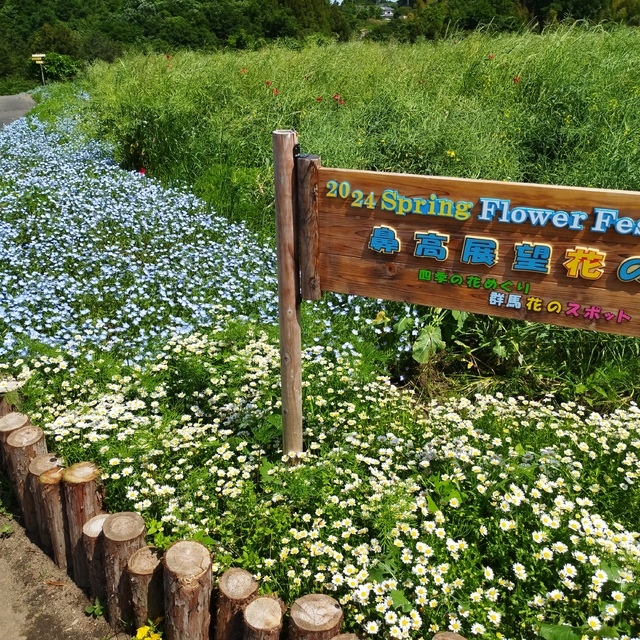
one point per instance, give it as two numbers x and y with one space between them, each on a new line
523 508
59 67
96 610
560 108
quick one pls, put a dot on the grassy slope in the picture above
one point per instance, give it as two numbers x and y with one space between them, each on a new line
562 107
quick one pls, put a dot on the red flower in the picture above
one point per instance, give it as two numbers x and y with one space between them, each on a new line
336 96
243 70
516 79
268 83
341 101
319 98
491 56
168 57
275 92
142 171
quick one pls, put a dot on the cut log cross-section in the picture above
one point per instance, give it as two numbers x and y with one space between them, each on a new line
124 534
82 502
23 445
187 591
145 576
315 617
263 618
235 588
37 467
346 636
8 424
54 512
93 543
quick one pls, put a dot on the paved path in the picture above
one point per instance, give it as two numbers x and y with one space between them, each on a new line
14 107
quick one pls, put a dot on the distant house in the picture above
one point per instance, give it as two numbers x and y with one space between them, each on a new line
387 13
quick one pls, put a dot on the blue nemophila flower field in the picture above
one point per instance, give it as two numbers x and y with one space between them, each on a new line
93 256
142 327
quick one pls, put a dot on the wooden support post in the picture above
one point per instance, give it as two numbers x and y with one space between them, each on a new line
7 387
187 591
263 618
93 543
315 617
37 467
23 445
307 221
53 498
346 636
145 576
82 502
235 588
284 147
8 424
124 534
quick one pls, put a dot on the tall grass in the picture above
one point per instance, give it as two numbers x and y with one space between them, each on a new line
562 107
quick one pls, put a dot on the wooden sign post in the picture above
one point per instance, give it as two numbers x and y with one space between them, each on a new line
284 150
38 58
560 255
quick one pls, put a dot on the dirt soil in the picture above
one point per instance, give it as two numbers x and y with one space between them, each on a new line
38 601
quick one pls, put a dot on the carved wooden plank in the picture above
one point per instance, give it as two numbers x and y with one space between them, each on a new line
590 236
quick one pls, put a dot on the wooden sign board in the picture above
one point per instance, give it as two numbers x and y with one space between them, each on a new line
560 255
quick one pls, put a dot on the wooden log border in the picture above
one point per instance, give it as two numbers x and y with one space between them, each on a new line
311 617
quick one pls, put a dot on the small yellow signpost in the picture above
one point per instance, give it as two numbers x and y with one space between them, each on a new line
38 58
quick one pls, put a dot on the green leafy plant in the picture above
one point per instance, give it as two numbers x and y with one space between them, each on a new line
58 66
96 610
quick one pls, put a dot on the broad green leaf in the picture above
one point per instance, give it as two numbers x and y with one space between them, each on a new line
606 631
429 342
404 324
499 350
400 600
559 632
459 317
